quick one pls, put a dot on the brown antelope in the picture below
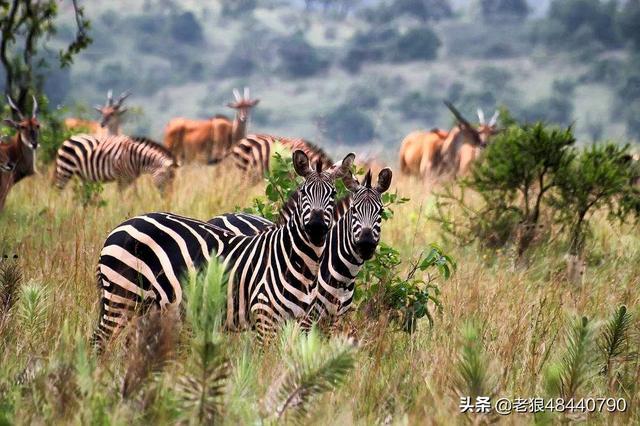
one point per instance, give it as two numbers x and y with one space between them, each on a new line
111 116
186 139
417 145
20 151
461 147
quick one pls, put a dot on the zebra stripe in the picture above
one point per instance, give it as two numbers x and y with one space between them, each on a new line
351 241
254 152
109 158
269 275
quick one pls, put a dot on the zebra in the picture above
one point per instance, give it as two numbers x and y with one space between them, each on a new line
269 275
254 152
352 240
105 158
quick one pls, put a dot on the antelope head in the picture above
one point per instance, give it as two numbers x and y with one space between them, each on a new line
112 111
27 127
487 130
243 104
478 136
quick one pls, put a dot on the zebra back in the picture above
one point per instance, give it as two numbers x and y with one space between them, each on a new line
106 158
254 152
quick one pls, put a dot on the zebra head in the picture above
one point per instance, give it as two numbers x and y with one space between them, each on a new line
366 211
317 195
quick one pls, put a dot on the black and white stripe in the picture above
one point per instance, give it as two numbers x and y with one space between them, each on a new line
351 241
269 275
109 158
253 153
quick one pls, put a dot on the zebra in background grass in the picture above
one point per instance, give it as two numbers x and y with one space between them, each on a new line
352 240
110 158
253 153
270 275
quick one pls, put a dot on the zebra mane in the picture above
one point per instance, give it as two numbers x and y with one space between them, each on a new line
143 140
326 160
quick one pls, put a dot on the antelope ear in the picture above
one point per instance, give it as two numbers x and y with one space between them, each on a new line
301 163
255 102
384 180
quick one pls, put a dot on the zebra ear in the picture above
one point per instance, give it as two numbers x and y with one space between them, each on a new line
301 163
384 180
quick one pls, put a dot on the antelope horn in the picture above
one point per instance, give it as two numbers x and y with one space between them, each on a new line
122 97
110 97
14 107
494 118
457 114
246 93
236 94
34 111
480 115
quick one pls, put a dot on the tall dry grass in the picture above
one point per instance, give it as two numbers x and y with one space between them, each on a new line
521 319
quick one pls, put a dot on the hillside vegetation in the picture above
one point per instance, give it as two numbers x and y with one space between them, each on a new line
360 73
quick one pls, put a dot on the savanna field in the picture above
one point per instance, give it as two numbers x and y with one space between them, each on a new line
499 331
505 287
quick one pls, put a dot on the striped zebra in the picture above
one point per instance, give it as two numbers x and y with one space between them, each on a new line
253 153
352 240
269 275
109 158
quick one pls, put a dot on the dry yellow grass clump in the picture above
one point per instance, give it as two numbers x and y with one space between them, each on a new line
501 331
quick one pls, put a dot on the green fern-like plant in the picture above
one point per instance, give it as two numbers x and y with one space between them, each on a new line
203 386
614 339
473 373
313 366
33 310
568 375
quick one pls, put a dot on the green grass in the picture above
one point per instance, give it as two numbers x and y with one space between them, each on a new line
522 323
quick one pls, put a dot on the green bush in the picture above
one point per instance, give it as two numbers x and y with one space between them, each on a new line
298 58
348 126
531 175
417 44
185 28
513 180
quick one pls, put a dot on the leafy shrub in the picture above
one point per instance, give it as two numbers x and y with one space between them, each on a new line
360 96
348 125
580 23
531 174
597 178
504 8
236 8
386 44
424 10
415 45
185 28
416 105
380 286
513 180
298 59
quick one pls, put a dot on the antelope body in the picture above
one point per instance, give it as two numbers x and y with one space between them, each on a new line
418 145
187 139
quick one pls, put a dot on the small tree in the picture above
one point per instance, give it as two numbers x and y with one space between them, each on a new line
598 178
34 21
513 180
